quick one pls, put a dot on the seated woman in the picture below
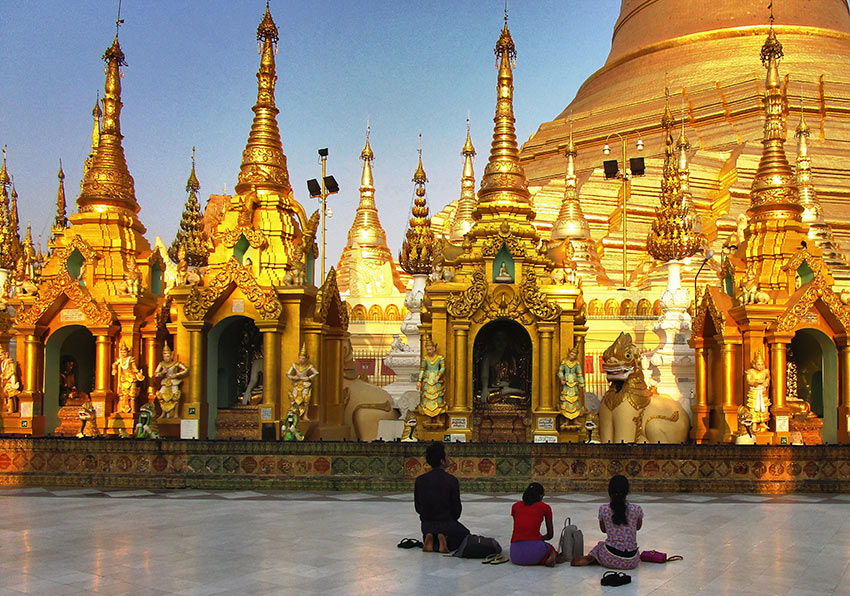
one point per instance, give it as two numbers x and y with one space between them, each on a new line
620 521
528 546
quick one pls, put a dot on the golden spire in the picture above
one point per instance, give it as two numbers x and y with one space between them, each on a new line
571 223
107 184
366 232
4 174
14 225
7 260
503 185
95 136
463 218
417 251
28 250
773 194
673 236
191 239
263 161
61 213
812 213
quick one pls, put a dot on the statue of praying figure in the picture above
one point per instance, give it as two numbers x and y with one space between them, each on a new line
127 377
171 373
9 380
758 379
572 385
301 373
430 383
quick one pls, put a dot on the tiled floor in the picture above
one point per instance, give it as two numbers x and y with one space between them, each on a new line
71 541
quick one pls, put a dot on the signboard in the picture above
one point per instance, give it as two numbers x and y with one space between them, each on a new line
545 438
71 314
457 438
189 428
782 424
546 423
265 413
26 409
238 305
458 422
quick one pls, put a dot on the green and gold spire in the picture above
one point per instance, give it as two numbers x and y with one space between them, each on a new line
61 221
107 184
673 236
263 160
14 225
417 251
463 218
190 236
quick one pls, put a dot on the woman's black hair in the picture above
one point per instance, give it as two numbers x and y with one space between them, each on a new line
618 488
533 494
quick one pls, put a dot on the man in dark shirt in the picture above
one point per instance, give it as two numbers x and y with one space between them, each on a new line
436 495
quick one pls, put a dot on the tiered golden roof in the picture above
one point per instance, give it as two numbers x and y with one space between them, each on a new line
366 265
463 219
673 236
263 161
108 185
191 239
417 251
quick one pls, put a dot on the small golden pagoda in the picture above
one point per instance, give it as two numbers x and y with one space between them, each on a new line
776 299
367 276
496 318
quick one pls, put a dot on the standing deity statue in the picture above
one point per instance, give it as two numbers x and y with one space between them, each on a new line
9 381
88 420
171 372
127 375
301 373
572 385
432 369
758 379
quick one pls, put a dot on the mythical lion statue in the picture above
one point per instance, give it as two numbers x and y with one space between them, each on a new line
365 405
630 412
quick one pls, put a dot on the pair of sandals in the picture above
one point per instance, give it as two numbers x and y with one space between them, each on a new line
616 578
410 543
495 559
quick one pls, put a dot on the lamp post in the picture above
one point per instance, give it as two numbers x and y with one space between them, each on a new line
708 254
635 167
322 192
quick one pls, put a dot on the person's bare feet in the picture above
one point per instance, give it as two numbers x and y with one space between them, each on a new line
428 546
559 558
582 561
551 559
443 544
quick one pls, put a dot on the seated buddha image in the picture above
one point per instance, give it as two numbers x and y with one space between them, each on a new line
502 371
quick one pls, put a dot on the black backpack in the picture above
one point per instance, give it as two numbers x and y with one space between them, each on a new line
477 547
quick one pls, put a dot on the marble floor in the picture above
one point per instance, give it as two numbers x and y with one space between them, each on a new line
84 541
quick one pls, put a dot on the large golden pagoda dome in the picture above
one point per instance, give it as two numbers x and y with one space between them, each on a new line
709 58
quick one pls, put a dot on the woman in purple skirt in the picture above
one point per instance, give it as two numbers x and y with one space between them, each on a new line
620 520
528 546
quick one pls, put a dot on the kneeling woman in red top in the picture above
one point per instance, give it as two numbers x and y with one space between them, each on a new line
528 546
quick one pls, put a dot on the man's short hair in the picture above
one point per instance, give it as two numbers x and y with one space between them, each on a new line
435 454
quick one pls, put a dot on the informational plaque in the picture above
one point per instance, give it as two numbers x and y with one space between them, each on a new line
71 314
238 305
545 438
266 413
458 422
98 408
26 409
189 428
457 438
782 424
546 423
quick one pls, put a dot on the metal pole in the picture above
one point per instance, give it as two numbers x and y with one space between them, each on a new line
324 211
625 178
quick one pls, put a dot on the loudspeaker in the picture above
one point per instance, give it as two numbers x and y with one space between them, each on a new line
637 166
611 168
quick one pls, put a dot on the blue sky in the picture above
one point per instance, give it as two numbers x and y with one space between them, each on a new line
410 67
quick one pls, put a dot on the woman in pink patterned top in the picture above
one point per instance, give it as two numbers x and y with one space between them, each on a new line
620 521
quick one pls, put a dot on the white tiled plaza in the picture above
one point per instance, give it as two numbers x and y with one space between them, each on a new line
83 541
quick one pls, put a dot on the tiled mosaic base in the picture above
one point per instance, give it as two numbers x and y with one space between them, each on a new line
129 463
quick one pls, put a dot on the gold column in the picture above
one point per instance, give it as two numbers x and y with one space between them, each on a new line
103 366
701 368
730 375
31 374
546 367
150 362
844 392
462 398
197 364
778 366
271 365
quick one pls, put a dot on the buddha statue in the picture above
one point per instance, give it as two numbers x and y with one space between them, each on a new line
504 276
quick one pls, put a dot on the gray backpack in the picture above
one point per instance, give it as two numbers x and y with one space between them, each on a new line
571 544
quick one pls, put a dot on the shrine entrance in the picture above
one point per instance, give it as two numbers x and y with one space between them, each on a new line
501 382
69 363
233 346
812 378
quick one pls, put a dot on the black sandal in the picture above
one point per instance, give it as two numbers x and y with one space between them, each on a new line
615 578
410 543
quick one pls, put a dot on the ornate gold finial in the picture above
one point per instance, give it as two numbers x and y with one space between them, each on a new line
28 254
191 238
95 137
812 212
463 218
61 209
4 174
14 226
503 184
107 183
571 223
417 250
303 352
366 233
675 233
773 193
263 160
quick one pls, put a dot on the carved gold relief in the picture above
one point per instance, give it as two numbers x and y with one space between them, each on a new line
200 301
327 297
50 290
536 302
494 245
462 305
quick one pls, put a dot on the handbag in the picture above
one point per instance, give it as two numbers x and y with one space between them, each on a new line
477 547
654 556
571 543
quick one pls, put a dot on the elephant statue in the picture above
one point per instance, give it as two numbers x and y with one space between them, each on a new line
631 412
